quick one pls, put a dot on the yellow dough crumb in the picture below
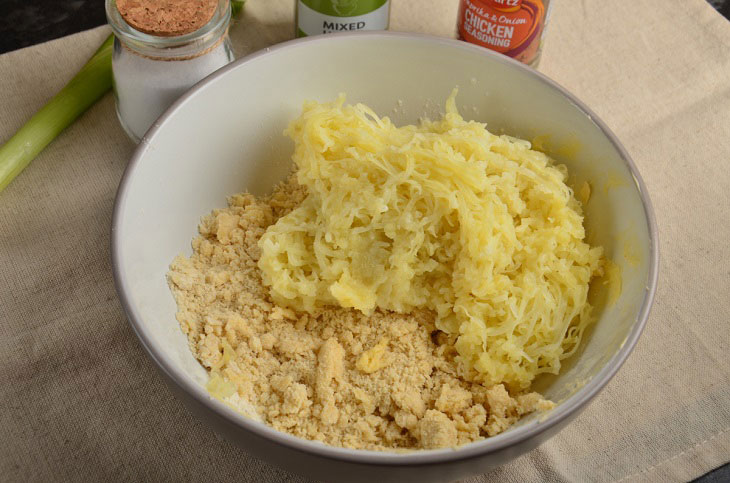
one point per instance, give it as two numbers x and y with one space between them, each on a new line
385 381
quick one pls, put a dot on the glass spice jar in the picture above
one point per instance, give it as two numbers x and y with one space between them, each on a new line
161 49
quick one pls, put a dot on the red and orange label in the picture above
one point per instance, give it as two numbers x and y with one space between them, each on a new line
511 27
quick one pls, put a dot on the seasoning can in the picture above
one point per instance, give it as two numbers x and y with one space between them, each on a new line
511 27
162 49
316 17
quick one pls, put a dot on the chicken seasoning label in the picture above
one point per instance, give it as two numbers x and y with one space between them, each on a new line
511 27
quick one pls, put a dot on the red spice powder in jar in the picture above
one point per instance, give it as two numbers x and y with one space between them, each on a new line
510 27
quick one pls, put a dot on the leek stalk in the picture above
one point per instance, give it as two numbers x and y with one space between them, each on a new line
92 81
236 7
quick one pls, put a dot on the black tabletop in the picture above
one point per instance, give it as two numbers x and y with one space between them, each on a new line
29 22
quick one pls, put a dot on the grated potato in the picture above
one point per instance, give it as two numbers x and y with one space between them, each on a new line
445 216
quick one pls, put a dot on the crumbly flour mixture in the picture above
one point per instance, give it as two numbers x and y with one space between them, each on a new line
380 382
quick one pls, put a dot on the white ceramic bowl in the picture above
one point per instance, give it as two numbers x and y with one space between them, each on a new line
225 136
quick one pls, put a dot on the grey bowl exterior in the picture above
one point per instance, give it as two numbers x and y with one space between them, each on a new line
336 464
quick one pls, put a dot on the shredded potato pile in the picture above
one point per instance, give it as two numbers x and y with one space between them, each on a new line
444 216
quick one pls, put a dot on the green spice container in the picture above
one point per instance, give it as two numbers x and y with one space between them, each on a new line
316 17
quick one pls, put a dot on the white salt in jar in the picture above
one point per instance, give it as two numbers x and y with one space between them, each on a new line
161 49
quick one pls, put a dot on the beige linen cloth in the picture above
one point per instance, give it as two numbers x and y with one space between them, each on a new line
80 400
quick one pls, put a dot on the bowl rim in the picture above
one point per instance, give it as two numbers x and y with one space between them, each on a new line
562 411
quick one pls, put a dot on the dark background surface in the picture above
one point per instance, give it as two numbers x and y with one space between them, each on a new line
29 22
